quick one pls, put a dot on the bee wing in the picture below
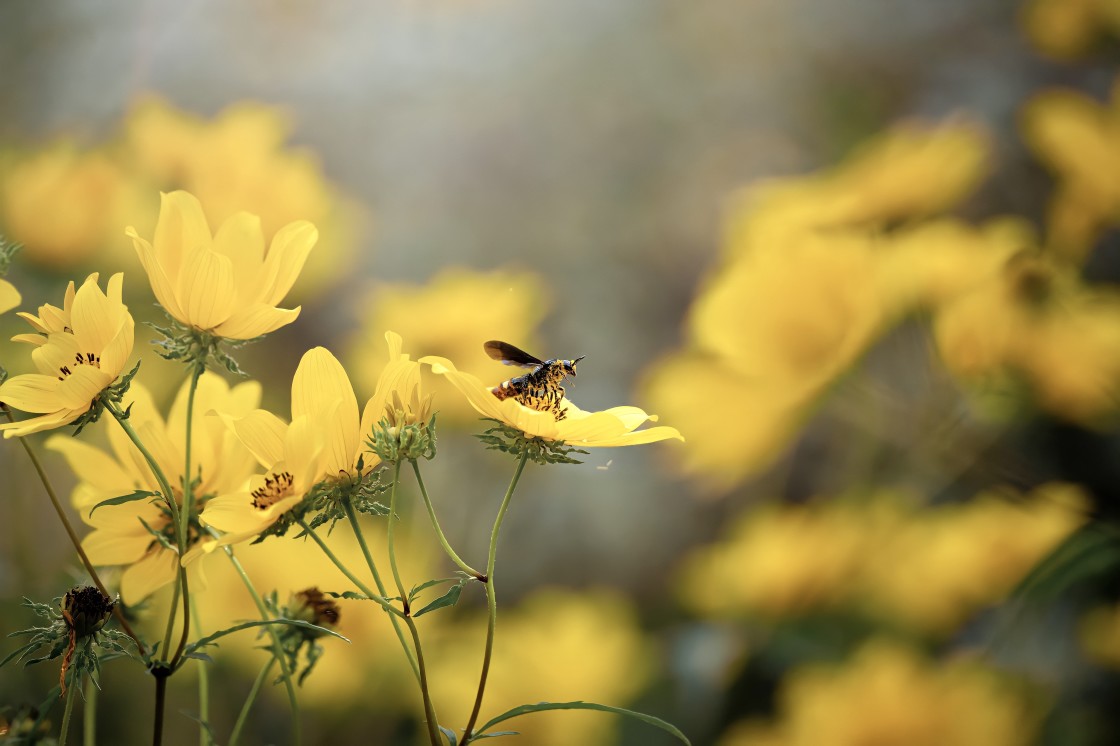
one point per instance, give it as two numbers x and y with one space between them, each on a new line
510 355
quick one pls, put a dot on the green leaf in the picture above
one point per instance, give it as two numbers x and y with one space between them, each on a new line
1086 554
450 598
18 653
449 735
132 497
209 639
417 589
544 706
496 734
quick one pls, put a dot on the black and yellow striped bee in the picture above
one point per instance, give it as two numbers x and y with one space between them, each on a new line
538 389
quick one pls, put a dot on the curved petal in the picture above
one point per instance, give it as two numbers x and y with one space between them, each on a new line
635 438
321 391
107 547
253 321
180 230
286 256
240 239
60 351
78 390
9 296
38 424
303 454
206 289
95 319
143 578
116 353
31 392
262 433
162 286
91 465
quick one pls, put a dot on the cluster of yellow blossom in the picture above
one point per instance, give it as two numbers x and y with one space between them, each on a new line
66 204
927 568
890 694
816 269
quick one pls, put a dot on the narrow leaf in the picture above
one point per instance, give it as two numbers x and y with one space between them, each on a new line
447 599
449 735
417 589
122 499
209 639
543 706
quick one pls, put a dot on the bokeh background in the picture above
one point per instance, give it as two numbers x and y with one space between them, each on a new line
859 252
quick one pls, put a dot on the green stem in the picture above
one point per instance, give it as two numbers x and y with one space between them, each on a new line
491 599
171 620
277 648
235 735
429 709
89 714
117 611
180 537
68 711
357 529
379 599
439 532
204 736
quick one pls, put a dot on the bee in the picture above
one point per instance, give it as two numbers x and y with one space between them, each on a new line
538 389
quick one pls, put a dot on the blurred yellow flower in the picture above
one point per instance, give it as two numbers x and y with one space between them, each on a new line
1037 320
121 533
1100 635
227 284
556 646
9 296
323 441
1065 28
913 170
451 316
617 426
889 694
238 161
64 205
80 350
1079 140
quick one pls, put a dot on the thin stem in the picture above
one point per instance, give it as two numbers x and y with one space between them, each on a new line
277 648
89 714
204 735
357 529
235 735
381 600
491 599
117 611
171 619
69 709
161 696
429 709
439 532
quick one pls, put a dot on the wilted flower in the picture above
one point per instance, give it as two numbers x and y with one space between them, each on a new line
226 284
80 350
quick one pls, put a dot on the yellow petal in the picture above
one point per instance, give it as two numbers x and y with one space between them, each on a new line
206 288
180 230
148 575
60 351
106 547
78 390
95 319
262 433
635 438
319 382
117 352
303 454
286 256
253 321
92 465
9 296
162 286
31 392
240 240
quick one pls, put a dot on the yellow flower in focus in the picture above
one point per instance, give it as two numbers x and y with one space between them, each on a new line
556 646
1078 139
65 206
911 171
1035 319
325 440
121 533
451 316
889 694
609 428
79 351
227 284
9 296
238 161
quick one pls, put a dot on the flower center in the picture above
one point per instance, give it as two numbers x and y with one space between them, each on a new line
88 358
276 487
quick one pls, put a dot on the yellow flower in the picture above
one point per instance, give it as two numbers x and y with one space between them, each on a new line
556 646
1065 28
9 296
238 160
219 462
226 284
64 205
1100 635
79 350
323 441
451 316
889 694
617 426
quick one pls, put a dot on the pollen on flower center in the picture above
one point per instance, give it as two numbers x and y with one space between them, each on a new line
276 487
88 358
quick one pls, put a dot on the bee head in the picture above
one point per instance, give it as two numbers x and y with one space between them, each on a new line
570 366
